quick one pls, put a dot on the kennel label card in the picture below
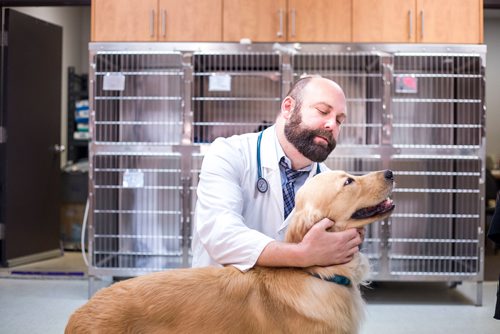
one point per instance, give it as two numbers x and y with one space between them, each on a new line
406 84
219 83
133 179
113 81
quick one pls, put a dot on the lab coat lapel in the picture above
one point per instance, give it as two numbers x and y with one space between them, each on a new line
270 169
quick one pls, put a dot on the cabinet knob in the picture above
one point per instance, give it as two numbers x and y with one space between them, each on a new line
59 148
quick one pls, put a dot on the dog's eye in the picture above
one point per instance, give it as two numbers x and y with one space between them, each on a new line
348 181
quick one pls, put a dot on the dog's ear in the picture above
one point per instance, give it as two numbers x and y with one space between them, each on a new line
302 222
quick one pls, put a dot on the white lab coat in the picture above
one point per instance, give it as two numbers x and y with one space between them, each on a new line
233 221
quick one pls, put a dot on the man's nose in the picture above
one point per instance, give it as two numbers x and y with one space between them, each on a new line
331 123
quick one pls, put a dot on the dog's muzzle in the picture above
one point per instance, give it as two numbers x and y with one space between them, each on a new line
383 207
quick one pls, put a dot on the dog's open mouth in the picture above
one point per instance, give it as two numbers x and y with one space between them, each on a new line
379 209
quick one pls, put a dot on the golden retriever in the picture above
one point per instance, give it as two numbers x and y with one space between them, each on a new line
262 300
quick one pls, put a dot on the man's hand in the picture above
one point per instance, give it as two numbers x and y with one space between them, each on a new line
323 248
318 248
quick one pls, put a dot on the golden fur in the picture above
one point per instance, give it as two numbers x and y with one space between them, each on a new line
262 300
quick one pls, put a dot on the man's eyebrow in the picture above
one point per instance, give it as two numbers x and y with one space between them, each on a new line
324 104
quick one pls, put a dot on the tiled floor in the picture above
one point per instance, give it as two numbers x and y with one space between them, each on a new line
31 304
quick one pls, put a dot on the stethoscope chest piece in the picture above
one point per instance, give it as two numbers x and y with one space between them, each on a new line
262 185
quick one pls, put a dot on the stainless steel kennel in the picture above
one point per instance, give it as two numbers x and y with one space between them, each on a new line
416 109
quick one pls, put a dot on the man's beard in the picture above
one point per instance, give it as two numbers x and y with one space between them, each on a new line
303 138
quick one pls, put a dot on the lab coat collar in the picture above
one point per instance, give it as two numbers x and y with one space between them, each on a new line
269 148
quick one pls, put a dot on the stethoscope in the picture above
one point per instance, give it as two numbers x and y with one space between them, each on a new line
262 184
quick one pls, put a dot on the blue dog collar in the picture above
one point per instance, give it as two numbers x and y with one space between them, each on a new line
339 279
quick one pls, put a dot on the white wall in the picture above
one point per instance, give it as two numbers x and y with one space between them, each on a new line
492 40
75 22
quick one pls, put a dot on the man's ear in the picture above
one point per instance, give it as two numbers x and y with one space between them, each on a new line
287 106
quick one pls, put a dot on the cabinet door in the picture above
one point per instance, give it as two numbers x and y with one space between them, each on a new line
390 21
124 20
319 21
258 20
190 20
450 21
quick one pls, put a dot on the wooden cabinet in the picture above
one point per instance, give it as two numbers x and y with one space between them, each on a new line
417 21
287 20
258 20
156 20
190 20
450 21
319 21
124 20
328 21
391 21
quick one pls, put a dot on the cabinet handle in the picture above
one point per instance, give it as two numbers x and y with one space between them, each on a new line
422 25
164 23
293 22
280 31
152 22
410 19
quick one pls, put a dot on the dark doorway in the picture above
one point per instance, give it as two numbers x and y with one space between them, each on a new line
30 145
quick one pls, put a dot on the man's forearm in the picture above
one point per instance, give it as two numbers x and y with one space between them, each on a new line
281 254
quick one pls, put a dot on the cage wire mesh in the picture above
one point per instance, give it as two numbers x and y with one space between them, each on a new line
136 216
138 98
437 106
234 93
427 128
360 76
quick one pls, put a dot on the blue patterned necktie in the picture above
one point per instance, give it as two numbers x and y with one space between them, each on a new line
288 188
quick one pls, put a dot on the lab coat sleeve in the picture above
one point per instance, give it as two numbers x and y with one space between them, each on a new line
219 222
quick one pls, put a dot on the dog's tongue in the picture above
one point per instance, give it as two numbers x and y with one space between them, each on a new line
382 207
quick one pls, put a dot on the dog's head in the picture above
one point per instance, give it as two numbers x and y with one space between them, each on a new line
350 201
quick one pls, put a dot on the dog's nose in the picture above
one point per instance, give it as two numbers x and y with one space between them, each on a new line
389 175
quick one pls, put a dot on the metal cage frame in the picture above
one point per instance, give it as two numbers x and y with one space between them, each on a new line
416 109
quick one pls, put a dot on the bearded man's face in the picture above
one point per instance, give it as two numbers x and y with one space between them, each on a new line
302 138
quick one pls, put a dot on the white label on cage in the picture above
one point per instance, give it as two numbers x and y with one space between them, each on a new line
133 179
113 81
219 82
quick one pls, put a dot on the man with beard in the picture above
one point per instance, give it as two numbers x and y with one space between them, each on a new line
246 187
